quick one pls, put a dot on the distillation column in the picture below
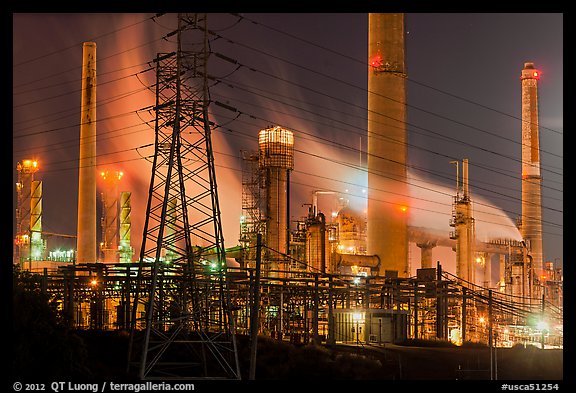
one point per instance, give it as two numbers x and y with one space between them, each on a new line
37 245
531 179
276 157
26 170
86 241
110 236
388 194
464 234
125 249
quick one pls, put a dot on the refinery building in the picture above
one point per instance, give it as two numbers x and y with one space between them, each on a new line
337 275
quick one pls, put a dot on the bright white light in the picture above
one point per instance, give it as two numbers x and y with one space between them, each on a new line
358 316
542 325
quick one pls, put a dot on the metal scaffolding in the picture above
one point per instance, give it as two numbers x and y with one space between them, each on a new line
301 307
180 319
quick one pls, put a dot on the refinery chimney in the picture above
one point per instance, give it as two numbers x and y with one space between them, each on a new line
388 193
531 180
86 242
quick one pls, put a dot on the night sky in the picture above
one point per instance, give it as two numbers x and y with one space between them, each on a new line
308 73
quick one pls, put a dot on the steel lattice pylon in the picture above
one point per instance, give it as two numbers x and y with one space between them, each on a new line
181 325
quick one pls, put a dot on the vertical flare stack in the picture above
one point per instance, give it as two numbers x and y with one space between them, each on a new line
276 158
86 241
531 180
464 233
388 193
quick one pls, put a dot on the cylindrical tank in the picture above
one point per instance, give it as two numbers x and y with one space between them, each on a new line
351 232
318 246
86 240
276 158
388 193
531 179
464 225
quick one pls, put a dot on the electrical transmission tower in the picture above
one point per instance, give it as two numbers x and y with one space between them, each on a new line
181 324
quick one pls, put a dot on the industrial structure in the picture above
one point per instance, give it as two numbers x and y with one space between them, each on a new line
531 222
181 300
330 277
86 241
110 235
387 153
28 244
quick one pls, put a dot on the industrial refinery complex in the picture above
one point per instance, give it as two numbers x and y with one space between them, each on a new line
339 275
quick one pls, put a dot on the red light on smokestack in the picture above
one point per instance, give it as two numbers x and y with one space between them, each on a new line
376 61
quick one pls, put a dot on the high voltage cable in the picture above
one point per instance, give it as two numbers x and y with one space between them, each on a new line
300 86
356 150
78 44
357 168
74 125
337 162
348 147
367 64
354 167
78 81
234 84
371 92
79 90
293 182
459 141
99 60
408 183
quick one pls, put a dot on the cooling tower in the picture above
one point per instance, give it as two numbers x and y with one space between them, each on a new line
388 193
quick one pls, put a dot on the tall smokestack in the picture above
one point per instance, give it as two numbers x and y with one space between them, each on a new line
531 179
86 241
388 193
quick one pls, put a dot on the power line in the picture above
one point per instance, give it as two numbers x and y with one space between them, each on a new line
79 44
365 63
